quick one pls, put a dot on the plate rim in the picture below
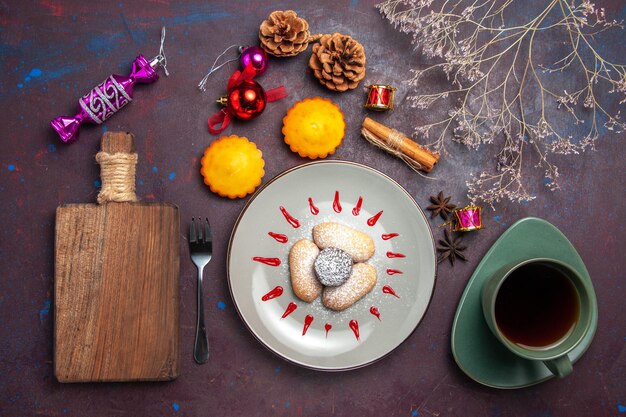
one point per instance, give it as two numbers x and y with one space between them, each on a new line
245 209
462 300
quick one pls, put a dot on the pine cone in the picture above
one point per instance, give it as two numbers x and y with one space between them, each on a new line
283 33
338 61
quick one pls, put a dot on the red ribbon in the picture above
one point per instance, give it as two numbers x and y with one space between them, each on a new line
221 119
275 94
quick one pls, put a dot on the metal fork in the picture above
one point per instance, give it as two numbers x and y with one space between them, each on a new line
201 249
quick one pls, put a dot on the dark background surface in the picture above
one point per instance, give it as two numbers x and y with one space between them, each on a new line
76 44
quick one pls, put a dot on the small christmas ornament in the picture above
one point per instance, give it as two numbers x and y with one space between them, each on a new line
380 97
467 219
249 56
338 62
245 100
255 57
314 127
232 167
285 34
104 100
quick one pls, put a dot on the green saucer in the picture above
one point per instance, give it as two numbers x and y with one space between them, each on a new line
477 352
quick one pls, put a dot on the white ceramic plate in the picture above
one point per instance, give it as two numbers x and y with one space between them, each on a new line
249 280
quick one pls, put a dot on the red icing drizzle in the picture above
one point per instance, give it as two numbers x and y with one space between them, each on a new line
290 219
357 209
314 210
278 237
336 203
393 271
388 290
290 309
267 261
354 325
375 312
307 322
276 292
395 255
372 220
328 326
389 236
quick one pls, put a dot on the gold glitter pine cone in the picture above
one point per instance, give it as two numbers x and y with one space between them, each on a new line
338 62
284 34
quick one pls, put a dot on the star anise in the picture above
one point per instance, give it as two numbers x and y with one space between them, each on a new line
441 206
450 248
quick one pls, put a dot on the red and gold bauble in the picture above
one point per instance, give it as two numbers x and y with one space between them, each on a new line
246 100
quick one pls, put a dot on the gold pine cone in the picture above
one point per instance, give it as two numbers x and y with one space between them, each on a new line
283 33
338 61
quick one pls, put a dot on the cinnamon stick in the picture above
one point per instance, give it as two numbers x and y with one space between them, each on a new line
397 143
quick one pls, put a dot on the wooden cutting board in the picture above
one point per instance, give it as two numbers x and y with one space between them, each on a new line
117 288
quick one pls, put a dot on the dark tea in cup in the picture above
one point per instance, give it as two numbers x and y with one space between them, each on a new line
537 306
540 309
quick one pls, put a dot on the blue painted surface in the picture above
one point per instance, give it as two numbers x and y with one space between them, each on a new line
171 176
199 17
221 305
64 71
104 42
34 73
175 406
43 313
